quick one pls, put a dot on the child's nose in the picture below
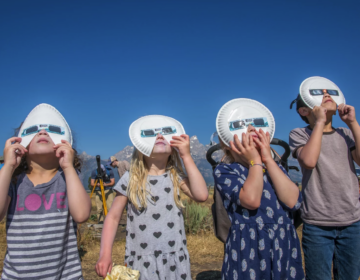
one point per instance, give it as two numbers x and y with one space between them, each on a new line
43 132
250 128
159 136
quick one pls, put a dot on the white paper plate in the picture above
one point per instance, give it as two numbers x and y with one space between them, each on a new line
319 83
45 114
243 109
144 143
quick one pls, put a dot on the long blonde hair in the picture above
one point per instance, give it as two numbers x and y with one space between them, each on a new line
136 190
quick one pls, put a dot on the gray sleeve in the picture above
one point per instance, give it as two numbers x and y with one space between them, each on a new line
349 138
297 139
122 184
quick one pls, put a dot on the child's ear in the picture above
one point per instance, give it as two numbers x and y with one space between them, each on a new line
304 111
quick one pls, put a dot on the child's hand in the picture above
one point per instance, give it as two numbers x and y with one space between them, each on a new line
263 143
103 266
319 114
182 144
246 150
13 152
65 153
347 113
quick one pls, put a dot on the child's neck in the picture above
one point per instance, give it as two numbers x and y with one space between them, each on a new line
156 166
41 172
328 124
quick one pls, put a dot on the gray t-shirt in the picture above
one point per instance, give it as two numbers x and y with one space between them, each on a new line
155 237
330 190
40 233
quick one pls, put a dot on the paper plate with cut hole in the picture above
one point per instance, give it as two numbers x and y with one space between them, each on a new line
237 114
312 91
45 116
143 131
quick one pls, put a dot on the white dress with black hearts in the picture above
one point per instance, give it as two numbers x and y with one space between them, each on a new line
155 237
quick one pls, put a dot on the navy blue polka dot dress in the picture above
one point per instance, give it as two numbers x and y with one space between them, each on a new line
262 243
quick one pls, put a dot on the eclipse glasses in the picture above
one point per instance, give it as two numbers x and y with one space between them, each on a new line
166 130
255 122
50 128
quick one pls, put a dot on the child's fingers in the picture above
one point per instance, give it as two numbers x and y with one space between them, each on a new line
258 142
12 139
66 143
245 140
234 148
251 141
268 136
238 144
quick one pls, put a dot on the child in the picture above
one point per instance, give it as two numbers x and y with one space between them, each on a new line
257 194
44 202
155 235
331 209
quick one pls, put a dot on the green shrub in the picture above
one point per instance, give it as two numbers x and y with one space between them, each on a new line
197 218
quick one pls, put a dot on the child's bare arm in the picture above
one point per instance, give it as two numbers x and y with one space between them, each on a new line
12 158
309 154
78 199
251 192
347 114
194 186
112 220
285 189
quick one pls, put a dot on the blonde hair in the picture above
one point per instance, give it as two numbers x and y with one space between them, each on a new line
136 190
228 157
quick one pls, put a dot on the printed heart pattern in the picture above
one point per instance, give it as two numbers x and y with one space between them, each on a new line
171 243
181 258
139 257
146 264
131 218
183 276
171 225
132 235
131 263
157 253
169 207
172 268
157 234
133 253
156 216
143 245
153 182
167 190
123 187
142 227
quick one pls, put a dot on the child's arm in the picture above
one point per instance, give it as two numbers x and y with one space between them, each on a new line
104 264
12 158
308 155
251 191
285 189
78 199
194 186
347 114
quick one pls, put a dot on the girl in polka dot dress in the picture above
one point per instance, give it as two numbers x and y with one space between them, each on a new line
259 198
155 234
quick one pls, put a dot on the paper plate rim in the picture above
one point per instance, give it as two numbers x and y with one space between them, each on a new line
246 100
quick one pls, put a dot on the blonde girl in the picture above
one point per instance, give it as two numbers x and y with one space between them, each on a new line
155 235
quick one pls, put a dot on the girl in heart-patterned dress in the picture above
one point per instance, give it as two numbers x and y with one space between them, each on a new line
258 196
155 234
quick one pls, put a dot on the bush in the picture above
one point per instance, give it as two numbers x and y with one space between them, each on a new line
197 217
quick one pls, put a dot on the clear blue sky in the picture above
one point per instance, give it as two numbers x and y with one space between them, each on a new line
103 64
